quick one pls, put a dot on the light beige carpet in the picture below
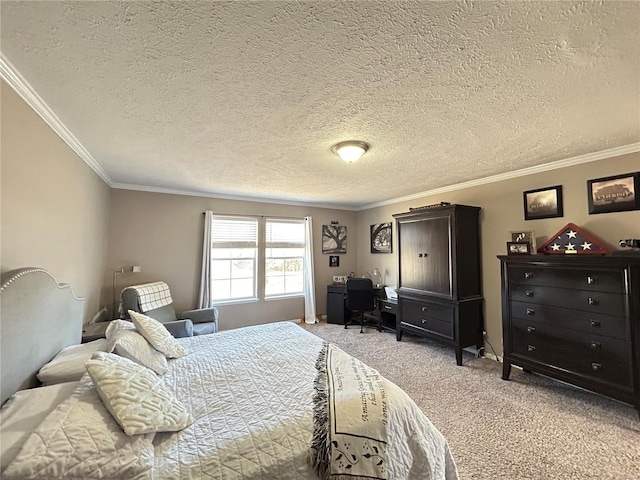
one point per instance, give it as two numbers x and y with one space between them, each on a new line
529 427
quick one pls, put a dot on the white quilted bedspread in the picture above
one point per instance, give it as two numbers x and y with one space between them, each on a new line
250 392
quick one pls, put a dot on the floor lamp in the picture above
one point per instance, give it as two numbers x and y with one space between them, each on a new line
121 271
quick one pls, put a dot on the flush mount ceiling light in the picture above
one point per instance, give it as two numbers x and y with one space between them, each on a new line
351 150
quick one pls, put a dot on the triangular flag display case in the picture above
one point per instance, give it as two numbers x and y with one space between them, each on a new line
571 239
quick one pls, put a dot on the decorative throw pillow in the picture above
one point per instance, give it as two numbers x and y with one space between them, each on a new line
130 344
136 397
157 335
114 327
68 364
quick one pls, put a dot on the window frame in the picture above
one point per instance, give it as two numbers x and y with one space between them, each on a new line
283 245
260 263
236 245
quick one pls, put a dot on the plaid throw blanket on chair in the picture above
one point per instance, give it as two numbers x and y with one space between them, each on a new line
152 295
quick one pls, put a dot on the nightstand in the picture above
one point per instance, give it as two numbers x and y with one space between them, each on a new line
94 331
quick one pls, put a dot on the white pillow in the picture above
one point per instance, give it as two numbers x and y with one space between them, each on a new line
68 364
136 397
130 344
80 439
157 335
23 412
114 327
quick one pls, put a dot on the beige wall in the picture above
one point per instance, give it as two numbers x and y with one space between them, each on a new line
58 214
53 205
163 233
502 212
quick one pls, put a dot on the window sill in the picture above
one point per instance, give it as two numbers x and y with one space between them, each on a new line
223 303
284 297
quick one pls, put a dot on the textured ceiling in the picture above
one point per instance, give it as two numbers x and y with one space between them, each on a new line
247 98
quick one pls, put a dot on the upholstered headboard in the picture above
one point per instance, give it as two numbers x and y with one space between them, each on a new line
38 317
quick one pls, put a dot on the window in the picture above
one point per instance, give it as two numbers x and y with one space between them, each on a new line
284 257
253 258
234 252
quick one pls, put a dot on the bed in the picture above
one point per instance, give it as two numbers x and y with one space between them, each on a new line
267 402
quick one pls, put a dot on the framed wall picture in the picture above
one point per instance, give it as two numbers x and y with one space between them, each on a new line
543 203
334 239
380 237
619 193
525 236
518 248
334 261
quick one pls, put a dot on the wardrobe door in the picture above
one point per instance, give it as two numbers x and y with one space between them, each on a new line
425 255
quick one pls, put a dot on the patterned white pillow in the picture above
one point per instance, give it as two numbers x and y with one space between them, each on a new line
114 327
130 344
136 397
157 335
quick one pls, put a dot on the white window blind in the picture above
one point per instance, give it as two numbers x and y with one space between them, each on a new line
234 232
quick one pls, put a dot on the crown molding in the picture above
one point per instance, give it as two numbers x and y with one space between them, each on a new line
10 75
240 198
546 167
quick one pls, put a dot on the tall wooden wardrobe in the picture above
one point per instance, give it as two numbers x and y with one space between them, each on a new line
439 275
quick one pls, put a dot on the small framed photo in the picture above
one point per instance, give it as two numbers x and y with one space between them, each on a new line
543 203
334 260
614 194
528 236
380 237
518 248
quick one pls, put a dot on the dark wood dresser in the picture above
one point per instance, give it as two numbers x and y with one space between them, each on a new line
440 285
575 318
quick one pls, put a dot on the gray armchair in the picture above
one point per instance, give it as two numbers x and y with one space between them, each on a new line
154 300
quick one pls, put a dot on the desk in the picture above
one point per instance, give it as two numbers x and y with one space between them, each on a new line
338 313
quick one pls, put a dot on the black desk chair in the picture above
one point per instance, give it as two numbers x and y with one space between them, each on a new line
360 299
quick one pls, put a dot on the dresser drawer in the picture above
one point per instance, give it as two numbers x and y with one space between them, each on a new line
592 302
388 307
589 279
597 323
585 344
439 319
566 359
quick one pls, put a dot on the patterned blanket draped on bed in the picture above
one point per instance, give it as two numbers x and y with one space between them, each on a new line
350 418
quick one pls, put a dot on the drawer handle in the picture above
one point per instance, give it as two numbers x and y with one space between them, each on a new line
596 366
529 293
424 309
528 275
531 348
424 321
531 329
594 301
531 311
592 280
596 345
387 307
594 323
423 255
